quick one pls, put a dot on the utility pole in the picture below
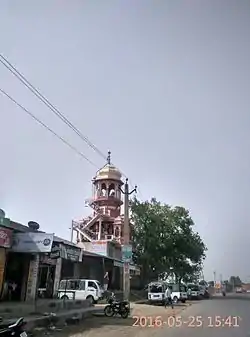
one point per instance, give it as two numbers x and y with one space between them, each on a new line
215 281
127 248
72 231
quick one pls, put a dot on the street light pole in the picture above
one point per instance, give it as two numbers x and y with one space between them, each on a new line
126 239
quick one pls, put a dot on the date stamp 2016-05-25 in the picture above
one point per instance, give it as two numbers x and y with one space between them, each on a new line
190 321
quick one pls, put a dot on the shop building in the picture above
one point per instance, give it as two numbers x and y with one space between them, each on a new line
5 245
67 257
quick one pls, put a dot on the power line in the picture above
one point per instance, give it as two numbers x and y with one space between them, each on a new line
46 127
56 111
43 99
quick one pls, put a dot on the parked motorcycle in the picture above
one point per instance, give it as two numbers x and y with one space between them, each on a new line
13 329
115 307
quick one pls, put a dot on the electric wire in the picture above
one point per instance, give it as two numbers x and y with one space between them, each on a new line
46 126
43 99
7 64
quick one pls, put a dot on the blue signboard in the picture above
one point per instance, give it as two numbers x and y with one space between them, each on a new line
127 253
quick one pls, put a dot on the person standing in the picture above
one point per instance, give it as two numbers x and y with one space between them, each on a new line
168 298
106 281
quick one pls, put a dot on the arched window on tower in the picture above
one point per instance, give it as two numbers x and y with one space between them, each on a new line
103 190
98 191
112 190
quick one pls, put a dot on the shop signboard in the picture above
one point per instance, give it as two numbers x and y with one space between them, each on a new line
55 251
97 247
5 237
70 253
66 252
127 253
46 259
32 242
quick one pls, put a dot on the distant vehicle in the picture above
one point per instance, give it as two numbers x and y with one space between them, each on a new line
202 291
193 291
238 290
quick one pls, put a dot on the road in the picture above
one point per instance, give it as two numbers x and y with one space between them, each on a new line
191 316
222 307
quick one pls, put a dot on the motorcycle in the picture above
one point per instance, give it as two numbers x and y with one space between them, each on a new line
13 329
115 307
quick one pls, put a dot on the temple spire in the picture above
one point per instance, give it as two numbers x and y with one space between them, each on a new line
109 158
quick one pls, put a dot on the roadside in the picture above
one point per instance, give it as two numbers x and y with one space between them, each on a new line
50 316
98 324
46 313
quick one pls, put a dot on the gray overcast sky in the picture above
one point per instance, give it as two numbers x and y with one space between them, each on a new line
163 84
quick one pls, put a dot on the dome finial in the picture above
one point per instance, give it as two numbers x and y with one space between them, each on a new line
109 158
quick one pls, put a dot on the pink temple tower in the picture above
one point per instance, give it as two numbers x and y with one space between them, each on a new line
105 223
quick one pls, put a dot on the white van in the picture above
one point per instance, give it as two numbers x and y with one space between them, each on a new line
194 291
179 292
80 289
156 292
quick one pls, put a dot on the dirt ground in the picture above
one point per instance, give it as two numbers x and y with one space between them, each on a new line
102 326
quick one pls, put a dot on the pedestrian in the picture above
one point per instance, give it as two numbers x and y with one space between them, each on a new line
168 298
12 286
106 281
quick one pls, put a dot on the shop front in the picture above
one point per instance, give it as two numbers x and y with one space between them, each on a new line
70 260
101 258
46 276
5 244
66 257
24 261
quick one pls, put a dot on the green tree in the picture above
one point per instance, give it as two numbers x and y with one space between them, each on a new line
164 238
235 281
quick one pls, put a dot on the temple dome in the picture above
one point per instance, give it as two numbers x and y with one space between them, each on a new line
109 171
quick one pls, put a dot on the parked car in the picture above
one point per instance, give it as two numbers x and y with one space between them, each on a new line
193 291
80 289
202 291
238 290
156 292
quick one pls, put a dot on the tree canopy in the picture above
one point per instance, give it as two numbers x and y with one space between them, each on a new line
235 281
164 239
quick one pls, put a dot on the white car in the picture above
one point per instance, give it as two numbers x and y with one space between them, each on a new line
80 289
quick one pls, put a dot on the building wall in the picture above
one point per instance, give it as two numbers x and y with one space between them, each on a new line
67 270
2 267
114 251
91 267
